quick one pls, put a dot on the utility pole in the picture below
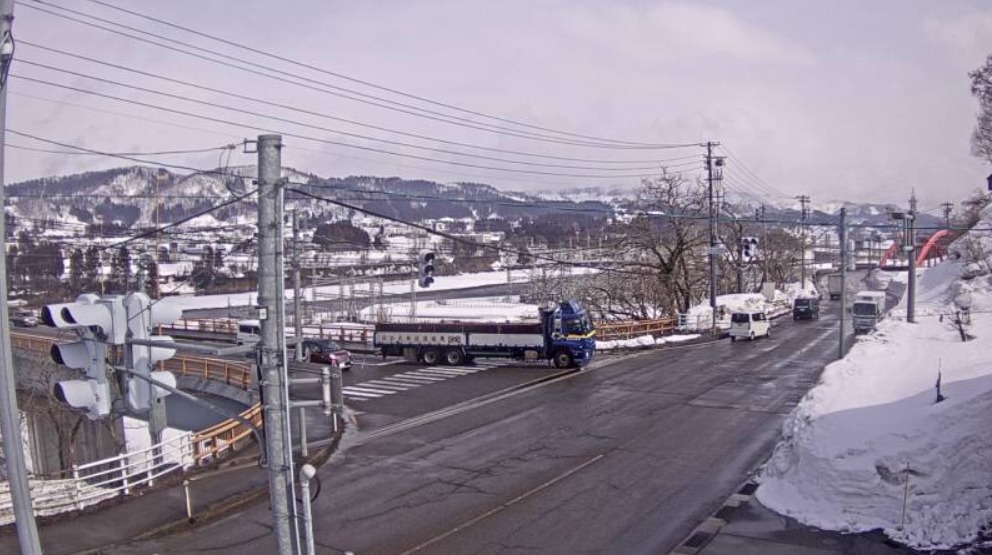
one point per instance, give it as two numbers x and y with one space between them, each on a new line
842 234
803 214
272 369
710 162
413 294
10 428
911 250
297 321
948 207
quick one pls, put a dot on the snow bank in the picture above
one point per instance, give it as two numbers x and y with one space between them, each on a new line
644 341
870 435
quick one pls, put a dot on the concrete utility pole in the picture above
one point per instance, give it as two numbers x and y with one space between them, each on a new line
803 215
911 251
10 422
710 162
272 369
948 207
297 321
842 234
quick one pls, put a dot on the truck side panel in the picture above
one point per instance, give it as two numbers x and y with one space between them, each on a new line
534 341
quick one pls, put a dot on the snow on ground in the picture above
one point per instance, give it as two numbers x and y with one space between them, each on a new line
644 341
869 448
444 283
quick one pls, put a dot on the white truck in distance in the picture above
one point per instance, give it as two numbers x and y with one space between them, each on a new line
834 286
867 310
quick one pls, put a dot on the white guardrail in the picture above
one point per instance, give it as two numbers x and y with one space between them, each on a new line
97 481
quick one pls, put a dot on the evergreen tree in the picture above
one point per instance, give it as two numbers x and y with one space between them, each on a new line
77 276
120 269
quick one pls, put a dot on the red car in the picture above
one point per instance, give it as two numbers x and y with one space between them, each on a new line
325 351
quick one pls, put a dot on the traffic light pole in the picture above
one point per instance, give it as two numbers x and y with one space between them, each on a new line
272 371
27 529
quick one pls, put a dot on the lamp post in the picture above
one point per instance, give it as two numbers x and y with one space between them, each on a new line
909 247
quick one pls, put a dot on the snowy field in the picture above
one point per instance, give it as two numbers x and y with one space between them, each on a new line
870 448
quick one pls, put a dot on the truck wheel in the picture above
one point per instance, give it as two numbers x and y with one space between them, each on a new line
563 359
751 336
430 356
733 338
454 356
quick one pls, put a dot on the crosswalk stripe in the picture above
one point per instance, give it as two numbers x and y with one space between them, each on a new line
389 385
417 376
439 372
350 393
363 389
459 370
401 381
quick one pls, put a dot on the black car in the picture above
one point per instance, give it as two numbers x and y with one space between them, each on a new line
806 309
325 351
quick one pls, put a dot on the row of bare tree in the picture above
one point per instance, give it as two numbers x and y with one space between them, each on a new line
658 265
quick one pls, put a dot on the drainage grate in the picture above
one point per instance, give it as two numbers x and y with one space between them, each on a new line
748 489
698 539
725 513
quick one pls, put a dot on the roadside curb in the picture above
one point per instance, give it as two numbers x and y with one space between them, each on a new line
223 508
709 528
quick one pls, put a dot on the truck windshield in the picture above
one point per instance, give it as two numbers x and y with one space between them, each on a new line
865 309
576 326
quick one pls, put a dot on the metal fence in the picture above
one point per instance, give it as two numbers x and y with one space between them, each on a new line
125 473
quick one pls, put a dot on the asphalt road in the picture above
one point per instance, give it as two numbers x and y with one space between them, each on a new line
623 458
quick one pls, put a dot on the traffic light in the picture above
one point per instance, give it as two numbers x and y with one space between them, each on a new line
93 321
103 318
425 268
749 248
142 316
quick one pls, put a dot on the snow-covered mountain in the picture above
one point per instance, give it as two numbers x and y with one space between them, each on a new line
143 197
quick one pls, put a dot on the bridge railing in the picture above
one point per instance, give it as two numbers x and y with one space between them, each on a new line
96 481
609 331
100 480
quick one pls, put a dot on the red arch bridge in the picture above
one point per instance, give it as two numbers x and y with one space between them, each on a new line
934 250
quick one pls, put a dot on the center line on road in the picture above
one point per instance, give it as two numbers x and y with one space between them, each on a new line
506 505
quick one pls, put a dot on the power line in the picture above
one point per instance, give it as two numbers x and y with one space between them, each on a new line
757 180
352 79
121 156
328 129
161 77
267 71
316 139
117 154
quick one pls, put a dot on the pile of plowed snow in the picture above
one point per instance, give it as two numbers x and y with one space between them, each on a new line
870 448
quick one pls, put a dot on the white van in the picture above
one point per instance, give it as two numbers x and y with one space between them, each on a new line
249 332
749 325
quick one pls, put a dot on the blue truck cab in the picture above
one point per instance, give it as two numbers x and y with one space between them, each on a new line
570 335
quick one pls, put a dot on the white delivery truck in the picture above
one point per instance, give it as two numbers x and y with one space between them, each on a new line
867 310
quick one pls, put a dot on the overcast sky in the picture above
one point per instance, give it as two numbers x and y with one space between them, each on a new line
840 100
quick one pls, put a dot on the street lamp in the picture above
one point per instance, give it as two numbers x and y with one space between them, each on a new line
909 247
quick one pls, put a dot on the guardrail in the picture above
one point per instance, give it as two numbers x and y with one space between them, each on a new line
229 372
100 480
609 331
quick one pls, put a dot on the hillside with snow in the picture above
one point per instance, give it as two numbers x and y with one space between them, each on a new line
871 448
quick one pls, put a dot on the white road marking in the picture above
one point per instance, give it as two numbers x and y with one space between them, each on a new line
362 388
415 375
388 385
440 372
350 393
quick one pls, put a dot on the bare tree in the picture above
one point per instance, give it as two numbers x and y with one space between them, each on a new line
981 89
661 251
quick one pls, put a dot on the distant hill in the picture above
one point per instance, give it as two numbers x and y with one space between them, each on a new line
129 196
